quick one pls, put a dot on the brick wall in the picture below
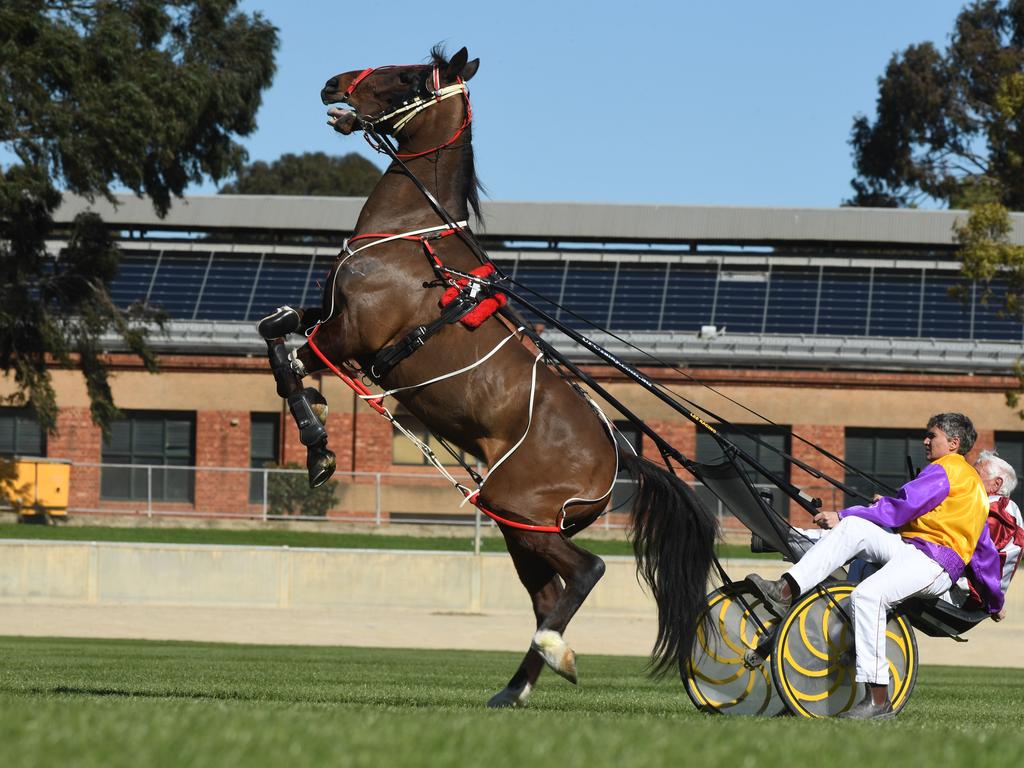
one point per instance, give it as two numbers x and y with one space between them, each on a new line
363 441
986 442
222 440
833 439
681 435
79 441
373 443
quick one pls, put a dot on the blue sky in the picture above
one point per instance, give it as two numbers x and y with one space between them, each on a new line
695 103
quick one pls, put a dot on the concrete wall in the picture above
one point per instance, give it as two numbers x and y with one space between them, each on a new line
106 573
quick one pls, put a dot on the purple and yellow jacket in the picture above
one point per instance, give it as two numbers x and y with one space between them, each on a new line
943 513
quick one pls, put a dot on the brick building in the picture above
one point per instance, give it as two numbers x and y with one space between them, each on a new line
835 324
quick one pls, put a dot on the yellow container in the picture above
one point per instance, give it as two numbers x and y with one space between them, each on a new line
39 486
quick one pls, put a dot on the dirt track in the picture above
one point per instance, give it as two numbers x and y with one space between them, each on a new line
991 644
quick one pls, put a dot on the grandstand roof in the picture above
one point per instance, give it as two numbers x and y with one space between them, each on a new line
558 222
862 288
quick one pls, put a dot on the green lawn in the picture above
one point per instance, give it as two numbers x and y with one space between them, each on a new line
108 703
277 538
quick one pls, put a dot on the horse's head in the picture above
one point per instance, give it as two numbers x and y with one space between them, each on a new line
385 98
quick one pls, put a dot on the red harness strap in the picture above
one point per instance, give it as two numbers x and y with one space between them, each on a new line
357 386
359 78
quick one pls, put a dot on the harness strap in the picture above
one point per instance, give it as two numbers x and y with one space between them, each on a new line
385 360
359 78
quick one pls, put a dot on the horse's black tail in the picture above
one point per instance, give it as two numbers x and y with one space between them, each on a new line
673 536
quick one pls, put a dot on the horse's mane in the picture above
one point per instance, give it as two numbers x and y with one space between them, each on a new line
471 186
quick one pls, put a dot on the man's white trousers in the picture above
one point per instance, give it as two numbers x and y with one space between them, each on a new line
906 571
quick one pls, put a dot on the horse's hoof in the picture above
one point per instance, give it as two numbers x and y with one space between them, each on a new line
556 653
321 466
510 697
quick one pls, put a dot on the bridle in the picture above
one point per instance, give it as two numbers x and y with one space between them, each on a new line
427 95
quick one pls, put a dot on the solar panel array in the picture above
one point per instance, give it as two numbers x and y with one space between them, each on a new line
622 296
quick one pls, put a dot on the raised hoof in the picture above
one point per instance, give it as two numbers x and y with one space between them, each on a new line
321 464
556 653
510 697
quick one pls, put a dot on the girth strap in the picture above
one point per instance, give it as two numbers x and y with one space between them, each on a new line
385 360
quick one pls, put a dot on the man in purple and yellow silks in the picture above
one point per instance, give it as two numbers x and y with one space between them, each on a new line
939 523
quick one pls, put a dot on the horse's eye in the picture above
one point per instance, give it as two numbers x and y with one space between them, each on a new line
406 78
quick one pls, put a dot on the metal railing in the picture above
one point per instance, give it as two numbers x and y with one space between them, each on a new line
270 494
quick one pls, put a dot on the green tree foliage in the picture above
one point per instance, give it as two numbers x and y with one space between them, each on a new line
989 259
949 125
143 94
996 265
289 494
311 173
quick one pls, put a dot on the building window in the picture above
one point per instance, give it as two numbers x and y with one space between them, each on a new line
20 433
405 453
1010 447
884 454
773 439
164 441
264 449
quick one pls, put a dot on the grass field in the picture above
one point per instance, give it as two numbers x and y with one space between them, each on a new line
104 703
277 538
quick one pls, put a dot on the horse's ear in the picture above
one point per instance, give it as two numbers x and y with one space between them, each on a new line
470 69
456 63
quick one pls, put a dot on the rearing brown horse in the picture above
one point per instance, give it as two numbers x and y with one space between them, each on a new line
551 458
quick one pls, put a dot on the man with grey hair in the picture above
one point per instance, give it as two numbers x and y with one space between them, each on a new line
1005 528
1002 479
939 523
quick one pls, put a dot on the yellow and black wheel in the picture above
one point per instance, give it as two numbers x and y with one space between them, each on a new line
728 671
813 658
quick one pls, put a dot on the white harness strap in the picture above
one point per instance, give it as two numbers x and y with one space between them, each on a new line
529 421
349 253
444 376
415 107
611 433
431 458
436 463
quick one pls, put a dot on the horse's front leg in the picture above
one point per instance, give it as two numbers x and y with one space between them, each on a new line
307 405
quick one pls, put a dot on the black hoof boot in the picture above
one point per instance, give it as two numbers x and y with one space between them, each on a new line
321 463
317 404
279 323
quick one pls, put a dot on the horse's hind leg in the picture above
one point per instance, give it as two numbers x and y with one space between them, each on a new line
545 587
543 561
307 405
